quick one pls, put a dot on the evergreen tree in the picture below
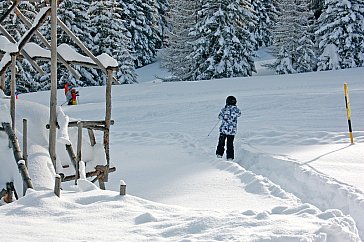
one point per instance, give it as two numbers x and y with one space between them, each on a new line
221 44
140 18
267 13
73 15
16 28
183 15
109 37
340 36
163 9
293 46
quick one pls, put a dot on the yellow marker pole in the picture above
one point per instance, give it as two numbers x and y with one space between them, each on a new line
348 111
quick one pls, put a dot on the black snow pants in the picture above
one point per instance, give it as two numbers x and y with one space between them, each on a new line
229 146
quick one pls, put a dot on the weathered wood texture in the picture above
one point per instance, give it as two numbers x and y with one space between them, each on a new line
26 21
17 155
57 185
54 82
88 174
13 90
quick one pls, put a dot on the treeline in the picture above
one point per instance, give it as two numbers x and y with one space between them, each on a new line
202 39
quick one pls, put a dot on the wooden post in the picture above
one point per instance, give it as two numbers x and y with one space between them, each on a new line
108 122
57 185
79 150
72 155
122 188
348 111
17 155
13 90
53 101
2 81
92 136
25 141
25 148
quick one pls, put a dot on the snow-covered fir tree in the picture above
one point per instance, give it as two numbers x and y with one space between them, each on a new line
267 13
182 16
293 44
74 16
222 41
163 9
340 35
141 21
109 36
16 28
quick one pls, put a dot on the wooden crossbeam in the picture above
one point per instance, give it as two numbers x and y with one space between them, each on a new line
45 42
88 174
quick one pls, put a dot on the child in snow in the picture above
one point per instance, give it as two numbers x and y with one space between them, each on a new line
71 95
229 117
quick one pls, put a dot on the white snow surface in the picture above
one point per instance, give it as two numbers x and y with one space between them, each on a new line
295 176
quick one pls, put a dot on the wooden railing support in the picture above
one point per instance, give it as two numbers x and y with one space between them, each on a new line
18 156
57 185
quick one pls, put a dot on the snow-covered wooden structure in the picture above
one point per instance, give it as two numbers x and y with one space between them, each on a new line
10 50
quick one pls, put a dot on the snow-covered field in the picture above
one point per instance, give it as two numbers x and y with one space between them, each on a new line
295 176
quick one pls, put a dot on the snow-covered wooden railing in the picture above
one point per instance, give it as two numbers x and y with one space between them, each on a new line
21 48
70 56
101 171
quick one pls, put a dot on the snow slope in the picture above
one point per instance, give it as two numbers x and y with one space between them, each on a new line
295 177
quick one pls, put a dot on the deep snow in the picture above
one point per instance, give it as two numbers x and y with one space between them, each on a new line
295 177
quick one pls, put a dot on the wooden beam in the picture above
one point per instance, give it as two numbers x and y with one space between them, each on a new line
108 120
2 81
81 45
88 174
98 125
17 155
92 137
72 155
45 42
22 51
32 30
57 185
89 123
53 97
25 148
13 90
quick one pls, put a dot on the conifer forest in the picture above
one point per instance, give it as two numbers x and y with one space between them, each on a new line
199 40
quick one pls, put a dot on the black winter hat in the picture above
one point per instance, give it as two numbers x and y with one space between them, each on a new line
230 100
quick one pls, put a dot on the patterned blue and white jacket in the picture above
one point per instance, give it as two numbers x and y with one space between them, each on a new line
229 117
